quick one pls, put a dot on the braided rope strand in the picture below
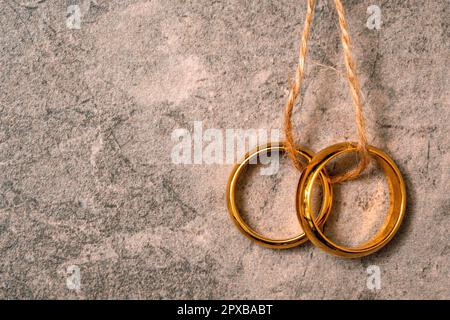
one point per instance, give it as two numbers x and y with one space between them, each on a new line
296 86
354 86
355 90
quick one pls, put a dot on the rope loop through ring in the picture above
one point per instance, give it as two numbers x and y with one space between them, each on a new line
394 216
354 86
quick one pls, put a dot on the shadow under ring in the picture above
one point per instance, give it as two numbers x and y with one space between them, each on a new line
394 217
245 228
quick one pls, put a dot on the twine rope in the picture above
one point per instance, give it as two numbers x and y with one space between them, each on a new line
355 91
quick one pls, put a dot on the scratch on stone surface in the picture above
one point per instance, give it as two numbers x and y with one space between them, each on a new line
20 18
186 209
422 129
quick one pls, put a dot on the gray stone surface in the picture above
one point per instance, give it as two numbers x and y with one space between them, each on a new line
86 176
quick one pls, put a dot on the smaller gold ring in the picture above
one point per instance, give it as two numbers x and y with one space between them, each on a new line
394 217
243 226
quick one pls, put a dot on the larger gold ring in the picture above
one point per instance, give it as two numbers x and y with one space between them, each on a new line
394 217
249 232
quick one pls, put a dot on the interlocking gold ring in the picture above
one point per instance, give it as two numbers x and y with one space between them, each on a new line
394 217
249 232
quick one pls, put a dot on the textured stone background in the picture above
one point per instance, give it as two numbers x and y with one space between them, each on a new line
86 118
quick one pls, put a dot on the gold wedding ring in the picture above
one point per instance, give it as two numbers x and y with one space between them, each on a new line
245 228
394 216
312 227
